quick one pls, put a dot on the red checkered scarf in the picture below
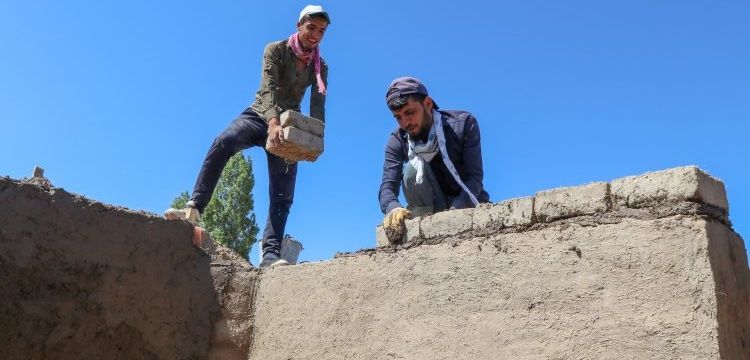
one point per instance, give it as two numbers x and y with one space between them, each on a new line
307 56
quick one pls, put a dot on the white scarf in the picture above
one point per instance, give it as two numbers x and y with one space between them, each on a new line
421 153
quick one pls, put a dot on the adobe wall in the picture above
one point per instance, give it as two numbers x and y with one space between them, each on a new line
639 268
84 280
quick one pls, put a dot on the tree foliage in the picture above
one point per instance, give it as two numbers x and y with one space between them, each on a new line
229 216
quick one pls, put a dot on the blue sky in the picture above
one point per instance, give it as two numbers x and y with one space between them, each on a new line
119 101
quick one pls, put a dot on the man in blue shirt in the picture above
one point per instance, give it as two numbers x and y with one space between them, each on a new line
435 155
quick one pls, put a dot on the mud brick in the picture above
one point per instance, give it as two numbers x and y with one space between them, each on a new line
298 145
567 202
307 124
687 183
513 212
446 223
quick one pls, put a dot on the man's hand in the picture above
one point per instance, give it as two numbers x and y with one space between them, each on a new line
396 217
275 132
393 224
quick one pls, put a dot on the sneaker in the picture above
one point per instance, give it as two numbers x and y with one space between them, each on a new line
272 260
189 213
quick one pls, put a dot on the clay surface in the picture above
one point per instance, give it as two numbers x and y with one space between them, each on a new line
83 280
636 289
644 267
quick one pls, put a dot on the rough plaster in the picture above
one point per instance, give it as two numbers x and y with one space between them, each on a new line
634 289
83 280
638 268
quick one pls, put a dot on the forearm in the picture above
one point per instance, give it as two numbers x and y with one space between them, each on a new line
317 105
318 99
389 190
388 201
390 184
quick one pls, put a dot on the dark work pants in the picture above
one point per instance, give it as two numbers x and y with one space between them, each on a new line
244 132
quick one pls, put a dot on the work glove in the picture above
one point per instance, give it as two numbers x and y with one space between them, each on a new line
394 226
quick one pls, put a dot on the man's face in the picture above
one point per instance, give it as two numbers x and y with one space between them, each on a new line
415 117
311 31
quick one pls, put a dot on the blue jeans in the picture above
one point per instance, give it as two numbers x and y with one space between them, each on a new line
244 132
425 198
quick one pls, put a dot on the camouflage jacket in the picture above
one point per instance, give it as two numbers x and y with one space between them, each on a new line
282 86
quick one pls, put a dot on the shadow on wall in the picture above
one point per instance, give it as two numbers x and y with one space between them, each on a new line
83 280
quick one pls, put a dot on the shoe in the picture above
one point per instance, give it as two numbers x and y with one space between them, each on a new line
272 260
189 213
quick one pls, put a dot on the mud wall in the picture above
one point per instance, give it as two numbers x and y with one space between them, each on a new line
83 280
643 267
639 267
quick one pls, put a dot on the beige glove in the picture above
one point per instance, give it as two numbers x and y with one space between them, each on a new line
393 224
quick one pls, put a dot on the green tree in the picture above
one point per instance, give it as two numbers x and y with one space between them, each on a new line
229 216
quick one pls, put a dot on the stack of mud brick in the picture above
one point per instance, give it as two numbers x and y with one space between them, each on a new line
654 191
303 137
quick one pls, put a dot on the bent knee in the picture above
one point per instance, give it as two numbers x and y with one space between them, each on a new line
225 141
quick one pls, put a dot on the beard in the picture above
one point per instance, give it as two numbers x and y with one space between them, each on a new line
424 126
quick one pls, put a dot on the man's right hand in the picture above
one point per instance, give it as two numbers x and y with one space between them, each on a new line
393 224
275 132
